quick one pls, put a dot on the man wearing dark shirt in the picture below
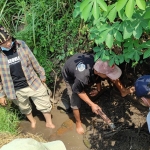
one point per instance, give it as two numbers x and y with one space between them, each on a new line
80 71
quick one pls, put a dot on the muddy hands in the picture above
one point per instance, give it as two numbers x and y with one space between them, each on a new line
127 91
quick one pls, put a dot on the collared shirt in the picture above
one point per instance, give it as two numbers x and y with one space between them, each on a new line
30 67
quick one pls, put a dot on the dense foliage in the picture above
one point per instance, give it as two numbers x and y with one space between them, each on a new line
48 28
120 28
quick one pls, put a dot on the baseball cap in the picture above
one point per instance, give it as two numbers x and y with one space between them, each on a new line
31 144
142 86
4 35
113 72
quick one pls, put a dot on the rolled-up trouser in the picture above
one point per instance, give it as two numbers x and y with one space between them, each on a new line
40 98
75 100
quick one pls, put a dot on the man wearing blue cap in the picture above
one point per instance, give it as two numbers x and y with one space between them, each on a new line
142 90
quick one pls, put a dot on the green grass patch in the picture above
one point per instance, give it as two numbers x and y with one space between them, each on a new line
9 120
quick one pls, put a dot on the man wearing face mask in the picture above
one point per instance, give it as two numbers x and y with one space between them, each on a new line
18 78
142 90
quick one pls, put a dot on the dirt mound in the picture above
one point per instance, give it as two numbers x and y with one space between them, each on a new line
129 117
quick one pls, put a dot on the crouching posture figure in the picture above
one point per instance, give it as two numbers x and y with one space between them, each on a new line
79 72
18 78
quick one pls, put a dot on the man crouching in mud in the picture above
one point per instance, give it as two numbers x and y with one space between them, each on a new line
81 71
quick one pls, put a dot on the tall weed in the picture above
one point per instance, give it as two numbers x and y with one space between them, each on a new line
9 120
49 30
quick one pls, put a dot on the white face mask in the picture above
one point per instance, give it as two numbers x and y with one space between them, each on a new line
6 49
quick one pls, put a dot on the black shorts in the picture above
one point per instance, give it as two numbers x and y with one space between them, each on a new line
75 100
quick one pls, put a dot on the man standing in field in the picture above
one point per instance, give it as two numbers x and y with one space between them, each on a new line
18 78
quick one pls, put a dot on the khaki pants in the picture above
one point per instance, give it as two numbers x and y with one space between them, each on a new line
40 98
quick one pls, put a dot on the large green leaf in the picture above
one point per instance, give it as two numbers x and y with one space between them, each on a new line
122 15
102 4
116 61
121 58
95 10
103 27
138 31
145 44
127 33
111 61
86 12
146 54
116 25
117 35
112 14
99 41
96 49
147 14
144 24
130 8
84 4
109 39
97 56
121 4
104 34
76 11
104 55
130 54
136 56
149 24
141 4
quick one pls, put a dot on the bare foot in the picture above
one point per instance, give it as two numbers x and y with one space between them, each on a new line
79 128
50 125
33 124
127 91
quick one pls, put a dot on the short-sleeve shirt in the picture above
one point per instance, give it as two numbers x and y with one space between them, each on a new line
78 71
16 71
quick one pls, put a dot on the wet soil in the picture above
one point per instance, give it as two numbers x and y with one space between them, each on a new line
128 114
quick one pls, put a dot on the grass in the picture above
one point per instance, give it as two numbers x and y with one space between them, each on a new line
9 120
7 137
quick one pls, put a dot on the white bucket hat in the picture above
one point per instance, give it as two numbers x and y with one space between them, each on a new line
31 144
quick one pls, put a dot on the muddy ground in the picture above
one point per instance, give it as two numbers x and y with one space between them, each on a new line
128 114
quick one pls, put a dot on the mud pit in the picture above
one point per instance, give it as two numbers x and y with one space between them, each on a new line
130 118
126 113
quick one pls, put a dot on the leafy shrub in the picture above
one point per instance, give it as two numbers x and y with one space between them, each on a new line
49 30
120 29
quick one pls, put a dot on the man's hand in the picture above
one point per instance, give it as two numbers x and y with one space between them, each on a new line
93 92
95 108
43 81
3 101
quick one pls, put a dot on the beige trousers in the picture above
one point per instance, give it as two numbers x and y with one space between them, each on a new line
40 98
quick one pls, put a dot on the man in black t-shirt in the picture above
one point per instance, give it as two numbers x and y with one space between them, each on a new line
80 71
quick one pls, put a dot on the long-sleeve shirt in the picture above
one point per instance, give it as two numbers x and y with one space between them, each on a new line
30 67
